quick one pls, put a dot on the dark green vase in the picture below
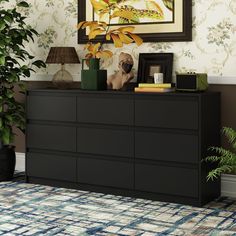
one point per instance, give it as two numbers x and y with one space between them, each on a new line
93 78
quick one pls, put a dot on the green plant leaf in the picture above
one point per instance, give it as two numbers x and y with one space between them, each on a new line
34 31
22 86
9 93
26 72
39 64
2 60
9 118
6 135
23 4
9 18
4 1
2 24
12 78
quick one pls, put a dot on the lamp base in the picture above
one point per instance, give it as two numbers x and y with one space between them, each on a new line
62 79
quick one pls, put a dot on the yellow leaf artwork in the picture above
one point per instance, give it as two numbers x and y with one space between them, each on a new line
119 36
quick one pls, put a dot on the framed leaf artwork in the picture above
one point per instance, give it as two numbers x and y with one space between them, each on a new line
154 20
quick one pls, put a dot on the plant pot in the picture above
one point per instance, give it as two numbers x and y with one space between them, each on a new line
228 185
7 163
93 78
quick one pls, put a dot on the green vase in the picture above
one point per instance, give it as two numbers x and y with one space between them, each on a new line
93 78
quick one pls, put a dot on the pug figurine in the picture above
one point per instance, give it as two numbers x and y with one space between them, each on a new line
118 80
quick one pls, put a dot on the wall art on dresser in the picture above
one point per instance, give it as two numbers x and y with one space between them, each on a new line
151 63
154 21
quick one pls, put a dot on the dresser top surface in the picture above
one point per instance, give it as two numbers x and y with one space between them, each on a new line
114 92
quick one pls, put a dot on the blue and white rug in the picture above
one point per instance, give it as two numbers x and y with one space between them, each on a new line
27 209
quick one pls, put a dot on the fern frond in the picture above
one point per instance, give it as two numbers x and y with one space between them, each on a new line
214 174
230 135
212 159
222 151
226 157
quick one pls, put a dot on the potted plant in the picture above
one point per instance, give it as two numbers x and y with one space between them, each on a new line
15 63
225 159
105 9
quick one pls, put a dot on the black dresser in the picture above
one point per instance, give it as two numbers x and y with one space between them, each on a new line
141 145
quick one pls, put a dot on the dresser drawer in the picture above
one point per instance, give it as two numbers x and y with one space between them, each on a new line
166 180
51 166
166 112
105 141
51 108
166 146
50 137
118 174
105 109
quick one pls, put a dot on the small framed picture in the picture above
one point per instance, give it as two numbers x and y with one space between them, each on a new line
152 63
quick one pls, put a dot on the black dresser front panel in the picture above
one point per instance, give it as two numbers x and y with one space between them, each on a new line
61 167
142 145
112 173
166 180
116 109
167 112
166 146
105 141
51 108
51 137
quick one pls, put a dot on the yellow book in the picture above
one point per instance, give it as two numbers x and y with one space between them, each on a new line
155 90
148 85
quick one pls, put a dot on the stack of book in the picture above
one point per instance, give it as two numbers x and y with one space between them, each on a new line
158 88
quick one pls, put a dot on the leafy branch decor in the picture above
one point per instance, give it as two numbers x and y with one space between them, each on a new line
226 159
94 78
119 36
15 63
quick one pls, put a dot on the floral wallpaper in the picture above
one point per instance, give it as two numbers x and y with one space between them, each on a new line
213 49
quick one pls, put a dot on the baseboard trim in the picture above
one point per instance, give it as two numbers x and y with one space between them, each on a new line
228 182
20 161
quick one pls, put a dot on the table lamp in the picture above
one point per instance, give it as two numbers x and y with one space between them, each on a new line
62 55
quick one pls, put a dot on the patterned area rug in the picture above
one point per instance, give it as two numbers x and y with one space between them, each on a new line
27 209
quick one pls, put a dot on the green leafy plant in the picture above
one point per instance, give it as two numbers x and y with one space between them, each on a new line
15 63
226 159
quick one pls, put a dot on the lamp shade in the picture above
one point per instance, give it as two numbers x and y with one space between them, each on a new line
62 55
